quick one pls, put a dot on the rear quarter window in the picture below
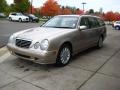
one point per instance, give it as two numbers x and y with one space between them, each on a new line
13 14
101 22
93 22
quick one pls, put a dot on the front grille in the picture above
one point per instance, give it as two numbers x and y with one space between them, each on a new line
23 43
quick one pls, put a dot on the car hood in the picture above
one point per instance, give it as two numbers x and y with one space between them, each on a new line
41 33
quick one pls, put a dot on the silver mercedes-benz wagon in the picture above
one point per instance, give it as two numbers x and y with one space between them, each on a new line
58 39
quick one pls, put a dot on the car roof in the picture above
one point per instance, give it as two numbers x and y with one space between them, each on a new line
80 16
15 12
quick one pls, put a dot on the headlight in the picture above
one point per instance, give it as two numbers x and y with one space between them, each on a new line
44 44
11 39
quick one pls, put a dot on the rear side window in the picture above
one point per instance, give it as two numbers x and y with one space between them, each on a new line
13 14
101 22
93 22
85 22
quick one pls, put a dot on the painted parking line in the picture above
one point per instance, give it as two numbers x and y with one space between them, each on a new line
5 55
3 49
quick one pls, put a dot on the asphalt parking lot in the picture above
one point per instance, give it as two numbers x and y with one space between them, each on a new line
93 69
7 28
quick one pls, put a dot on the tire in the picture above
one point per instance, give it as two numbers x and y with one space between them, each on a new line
20 20
100 42
37 21
117 28
10 19
31 20
64 56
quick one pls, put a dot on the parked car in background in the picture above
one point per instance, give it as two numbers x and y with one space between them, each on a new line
58 39
2 15
32 18
18 17
116 25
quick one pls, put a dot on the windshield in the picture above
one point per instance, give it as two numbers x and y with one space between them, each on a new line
19 14
62 22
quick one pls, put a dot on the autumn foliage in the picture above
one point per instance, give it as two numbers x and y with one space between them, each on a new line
50 8
79 12
111 16
65 11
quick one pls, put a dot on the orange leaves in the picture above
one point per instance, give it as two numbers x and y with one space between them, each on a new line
110 16
50 8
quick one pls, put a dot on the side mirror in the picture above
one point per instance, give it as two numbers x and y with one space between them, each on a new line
82 27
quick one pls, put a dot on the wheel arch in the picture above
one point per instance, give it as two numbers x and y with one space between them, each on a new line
67 43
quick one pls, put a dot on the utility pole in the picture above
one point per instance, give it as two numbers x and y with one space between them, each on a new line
83 3
31 5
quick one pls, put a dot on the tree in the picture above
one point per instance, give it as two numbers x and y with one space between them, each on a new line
22 6
117 16
72 9
66 11
91 11
50 8
109 16
33 10
79 12
3 5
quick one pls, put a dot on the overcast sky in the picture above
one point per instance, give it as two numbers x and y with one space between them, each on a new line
107 5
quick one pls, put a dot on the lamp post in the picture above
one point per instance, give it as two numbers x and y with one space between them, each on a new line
83 3
31 5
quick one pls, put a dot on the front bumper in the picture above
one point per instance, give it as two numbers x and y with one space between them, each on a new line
25 19
41 57
36 20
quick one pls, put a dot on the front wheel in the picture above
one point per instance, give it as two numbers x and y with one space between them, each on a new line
117 27
31 20
10 19
64 55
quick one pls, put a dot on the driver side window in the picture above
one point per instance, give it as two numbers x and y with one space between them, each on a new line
85 22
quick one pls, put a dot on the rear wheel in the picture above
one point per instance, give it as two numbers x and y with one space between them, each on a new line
100 42
20 20
64 55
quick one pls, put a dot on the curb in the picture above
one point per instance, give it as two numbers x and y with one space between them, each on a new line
3 48
4 54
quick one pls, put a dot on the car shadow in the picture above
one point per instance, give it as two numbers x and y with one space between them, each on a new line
29 65
86 52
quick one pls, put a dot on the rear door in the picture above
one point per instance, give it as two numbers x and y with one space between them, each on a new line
94 30
13 16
